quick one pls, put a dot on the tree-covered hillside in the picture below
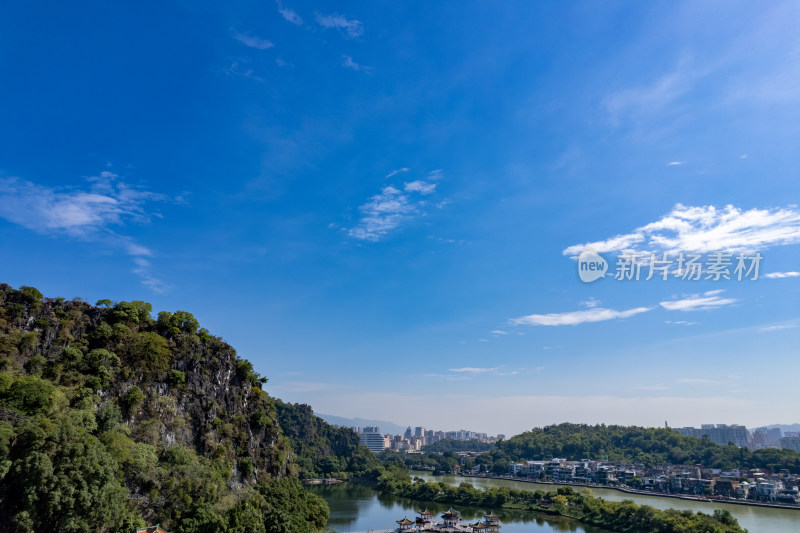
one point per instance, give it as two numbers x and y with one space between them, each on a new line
322 449
450 445
649 446
110 417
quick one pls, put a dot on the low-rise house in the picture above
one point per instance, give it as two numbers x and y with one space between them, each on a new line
726 486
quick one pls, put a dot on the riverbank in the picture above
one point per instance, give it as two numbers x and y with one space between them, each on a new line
629 490
565 502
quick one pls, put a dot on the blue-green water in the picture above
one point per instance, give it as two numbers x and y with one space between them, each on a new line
359 507
754 519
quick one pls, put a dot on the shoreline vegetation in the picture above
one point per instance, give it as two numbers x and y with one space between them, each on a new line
628 490
581 505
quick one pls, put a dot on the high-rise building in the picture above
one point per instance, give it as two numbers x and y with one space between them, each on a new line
721 433
790 443
371 438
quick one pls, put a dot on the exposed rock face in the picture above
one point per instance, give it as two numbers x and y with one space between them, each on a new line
174 383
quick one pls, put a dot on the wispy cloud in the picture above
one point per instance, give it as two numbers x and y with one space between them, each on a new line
91 214
776 327
653 97
447 377
238 69
499 332
574 318
436 174
704 229
695 302
289 14
781 275
680 322
350 27
381 214
388 210
477 371
697 381
397 171
674 163
591 303
421 187
252 41
348 63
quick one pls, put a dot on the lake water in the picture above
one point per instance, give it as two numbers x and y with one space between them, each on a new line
754 519
359 507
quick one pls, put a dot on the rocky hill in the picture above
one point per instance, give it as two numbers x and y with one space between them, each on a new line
110 417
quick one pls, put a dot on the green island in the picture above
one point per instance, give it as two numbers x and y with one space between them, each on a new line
580 505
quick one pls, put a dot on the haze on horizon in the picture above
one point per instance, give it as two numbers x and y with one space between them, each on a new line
380 204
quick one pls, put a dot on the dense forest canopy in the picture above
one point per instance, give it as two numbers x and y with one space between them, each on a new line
110 418
451 445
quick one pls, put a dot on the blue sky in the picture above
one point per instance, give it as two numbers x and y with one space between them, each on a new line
379 203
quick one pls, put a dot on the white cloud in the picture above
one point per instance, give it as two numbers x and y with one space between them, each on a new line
348 63
780 275
591 303
447 377
473 370
680 322
776 328
386 211
351 27
573 318
90 214
289 15
705 229
476 371
397 171
108 202
674 163
695 302
436 174
252 41
499 332
421 187
381 214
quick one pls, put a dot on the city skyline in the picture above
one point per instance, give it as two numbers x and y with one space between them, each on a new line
381 205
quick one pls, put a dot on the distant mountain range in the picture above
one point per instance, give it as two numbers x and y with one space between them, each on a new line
386 427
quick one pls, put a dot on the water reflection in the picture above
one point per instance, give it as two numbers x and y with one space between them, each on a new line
754 519
360 507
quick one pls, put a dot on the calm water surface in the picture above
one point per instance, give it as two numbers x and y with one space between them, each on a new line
755 519
359 507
